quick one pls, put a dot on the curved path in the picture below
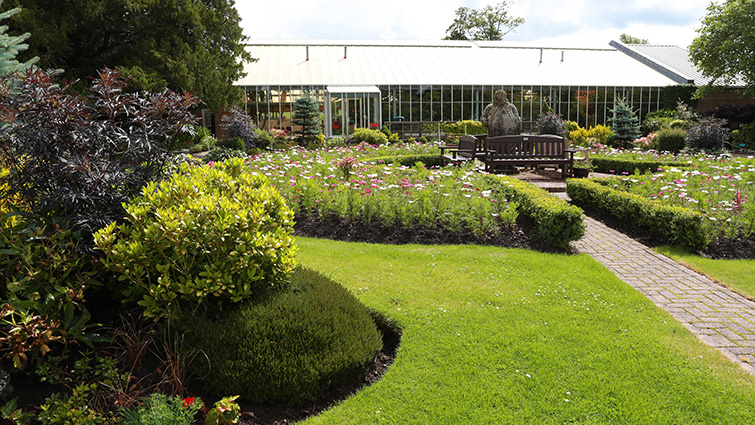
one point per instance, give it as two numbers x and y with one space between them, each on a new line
717 315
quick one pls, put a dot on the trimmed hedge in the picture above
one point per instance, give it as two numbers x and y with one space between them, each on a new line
618 166
557 222
292 346
673 224
430 160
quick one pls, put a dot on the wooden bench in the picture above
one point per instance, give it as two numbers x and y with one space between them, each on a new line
528 151
466 150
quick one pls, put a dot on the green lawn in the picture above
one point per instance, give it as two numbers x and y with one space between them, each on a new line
738 275
496 335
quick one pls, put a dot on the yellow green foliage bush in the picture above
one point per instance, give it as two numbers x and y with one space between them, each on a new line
373 137
580 136
215 233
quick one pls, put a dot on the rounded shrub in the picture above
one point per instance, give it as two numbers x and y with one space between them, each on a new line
550 123
235 143
669 140
708 134
291 346
680 125
222 154
264 139
373 137
203 238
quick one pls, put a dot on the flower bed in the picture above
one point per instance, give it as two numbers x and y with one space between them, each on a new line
366 184
721 190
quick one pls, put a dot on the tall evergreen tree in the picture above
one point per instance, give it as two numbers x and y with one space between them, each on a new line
10 46
307 117
193 45
625 125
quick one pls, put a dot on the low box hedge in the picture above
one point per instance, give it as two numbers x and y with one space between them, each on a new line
618 166
556 221
672 224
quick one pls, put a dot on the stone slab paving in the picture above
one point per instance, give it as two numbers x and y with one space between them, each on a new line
717 315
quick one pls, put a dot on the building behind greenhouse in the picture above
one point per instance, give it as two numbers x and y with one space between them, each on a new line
368 83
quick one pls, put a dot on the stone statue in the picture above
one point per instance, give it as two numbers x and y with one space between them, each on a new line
501 117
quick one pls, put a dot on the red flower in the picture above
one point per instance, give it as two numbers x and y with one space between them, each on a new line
188 401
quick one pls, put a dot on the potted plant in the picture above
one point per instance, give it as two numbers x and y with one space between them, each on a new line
582 168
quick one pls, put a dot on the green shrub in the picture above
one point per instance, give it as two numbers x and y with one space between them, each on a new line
264 139
61 409
680 125
657 120
225 412
290 347
557 222
235 143
601 133
387 131
673 224
209 234
571 126
162 410
578 136
613 165
463 127
744 136
222 154
197 140
373 137
44 281
669 140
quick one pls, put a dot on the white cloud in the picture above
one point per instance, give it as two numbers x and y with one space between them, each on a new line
553 21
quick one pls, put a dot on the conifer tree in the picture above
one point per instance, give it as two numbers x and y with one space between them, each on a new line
625 125
307 116
11 45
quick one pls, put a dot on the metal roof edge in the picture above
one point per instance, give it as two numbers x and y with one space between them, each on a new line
359 42
668 72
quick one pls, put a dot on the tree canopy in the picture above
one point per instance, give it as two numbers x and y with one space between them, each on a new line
192 45
491 23
630 39
725 47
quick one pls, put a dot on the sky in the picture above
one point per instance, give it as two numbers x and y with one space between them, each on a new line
560 23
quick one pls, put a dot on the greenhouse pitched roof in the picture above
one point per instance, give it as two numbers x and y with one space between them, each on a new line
673 61
440 62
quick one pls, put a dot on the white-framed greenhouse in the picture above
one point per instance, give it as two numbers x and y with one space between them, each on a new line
367 83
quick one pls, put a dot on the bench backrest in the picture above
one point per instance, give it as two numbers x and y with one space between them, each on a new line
524 146
467 146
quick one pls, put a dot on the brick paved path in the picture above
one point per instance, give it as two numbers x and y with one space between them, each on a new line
717 315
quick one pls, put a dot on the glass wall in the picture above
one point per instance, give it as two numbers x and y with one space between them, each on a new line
589 106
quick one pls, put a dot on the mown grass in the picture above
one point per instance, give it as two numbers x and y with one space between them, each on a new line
739 275
501 336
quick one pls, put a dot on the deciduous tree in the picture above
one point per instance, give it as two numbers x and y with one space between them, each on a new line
630 39
725 47
192 45
491 23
